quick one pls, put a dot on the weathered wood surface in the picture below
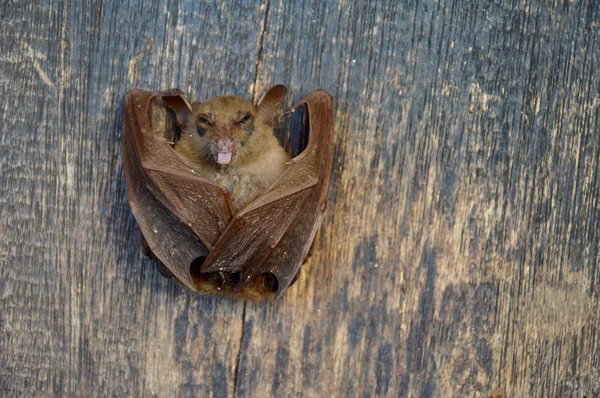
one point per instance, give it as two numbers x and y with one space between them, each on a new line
460 252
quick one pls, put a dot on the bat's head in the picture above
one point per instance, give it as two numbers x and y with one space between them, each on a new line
228 129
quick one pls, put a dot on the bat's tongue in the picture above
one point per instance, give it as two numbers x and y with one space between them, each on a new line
223 157
224 150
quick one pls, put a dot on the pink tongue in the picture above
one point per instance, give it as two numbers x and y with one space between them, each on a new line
224 157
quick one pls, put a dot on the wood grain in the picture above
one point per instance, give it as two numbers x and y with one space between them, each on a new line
460 252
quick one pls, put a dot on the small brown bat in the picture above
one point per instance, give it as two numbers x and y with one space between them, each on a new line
230 141
181 196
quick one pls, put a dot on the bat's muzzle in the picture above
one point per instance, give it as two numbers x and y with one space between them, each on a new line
225 149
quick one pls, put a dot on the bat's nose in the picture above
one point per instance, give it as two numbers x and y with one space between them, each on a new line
224 144
224 150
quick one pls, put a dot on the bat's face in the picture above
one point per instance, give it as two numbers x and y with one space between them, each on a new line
223 128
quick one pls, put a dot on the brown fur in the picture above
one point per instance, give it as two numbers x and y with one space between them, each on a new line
258 158
257 289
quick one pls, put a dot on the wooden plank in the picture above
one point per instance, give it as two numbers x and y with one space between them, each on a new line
460 252
81 310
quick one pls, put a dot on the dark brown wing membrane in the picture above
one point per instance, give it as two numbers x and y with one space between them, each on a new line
181 215
274 233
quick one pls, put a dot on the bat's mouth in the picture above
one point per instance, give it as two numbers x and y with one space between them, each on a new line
224 157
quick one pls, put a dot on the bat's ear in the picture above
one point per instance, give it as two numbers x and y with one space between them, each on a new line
181 108
267 105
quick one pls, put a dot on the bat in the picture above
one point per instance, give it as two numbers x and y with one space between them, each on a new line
250 249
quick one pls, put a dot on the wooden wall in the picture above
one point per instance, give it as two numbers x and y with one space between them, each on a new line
459 256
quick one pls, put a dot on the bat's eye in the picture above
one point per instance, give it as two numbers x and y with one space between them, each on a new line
204 120
245 118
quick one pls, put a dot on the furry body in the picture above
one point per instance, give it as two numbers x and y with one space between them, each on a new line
230 141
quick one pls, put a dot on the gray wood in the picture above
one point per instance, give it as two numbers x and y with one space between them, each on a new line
460 252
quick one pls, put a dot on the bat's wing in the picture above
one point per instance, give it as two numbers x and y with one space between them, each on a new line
274 233
180 214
